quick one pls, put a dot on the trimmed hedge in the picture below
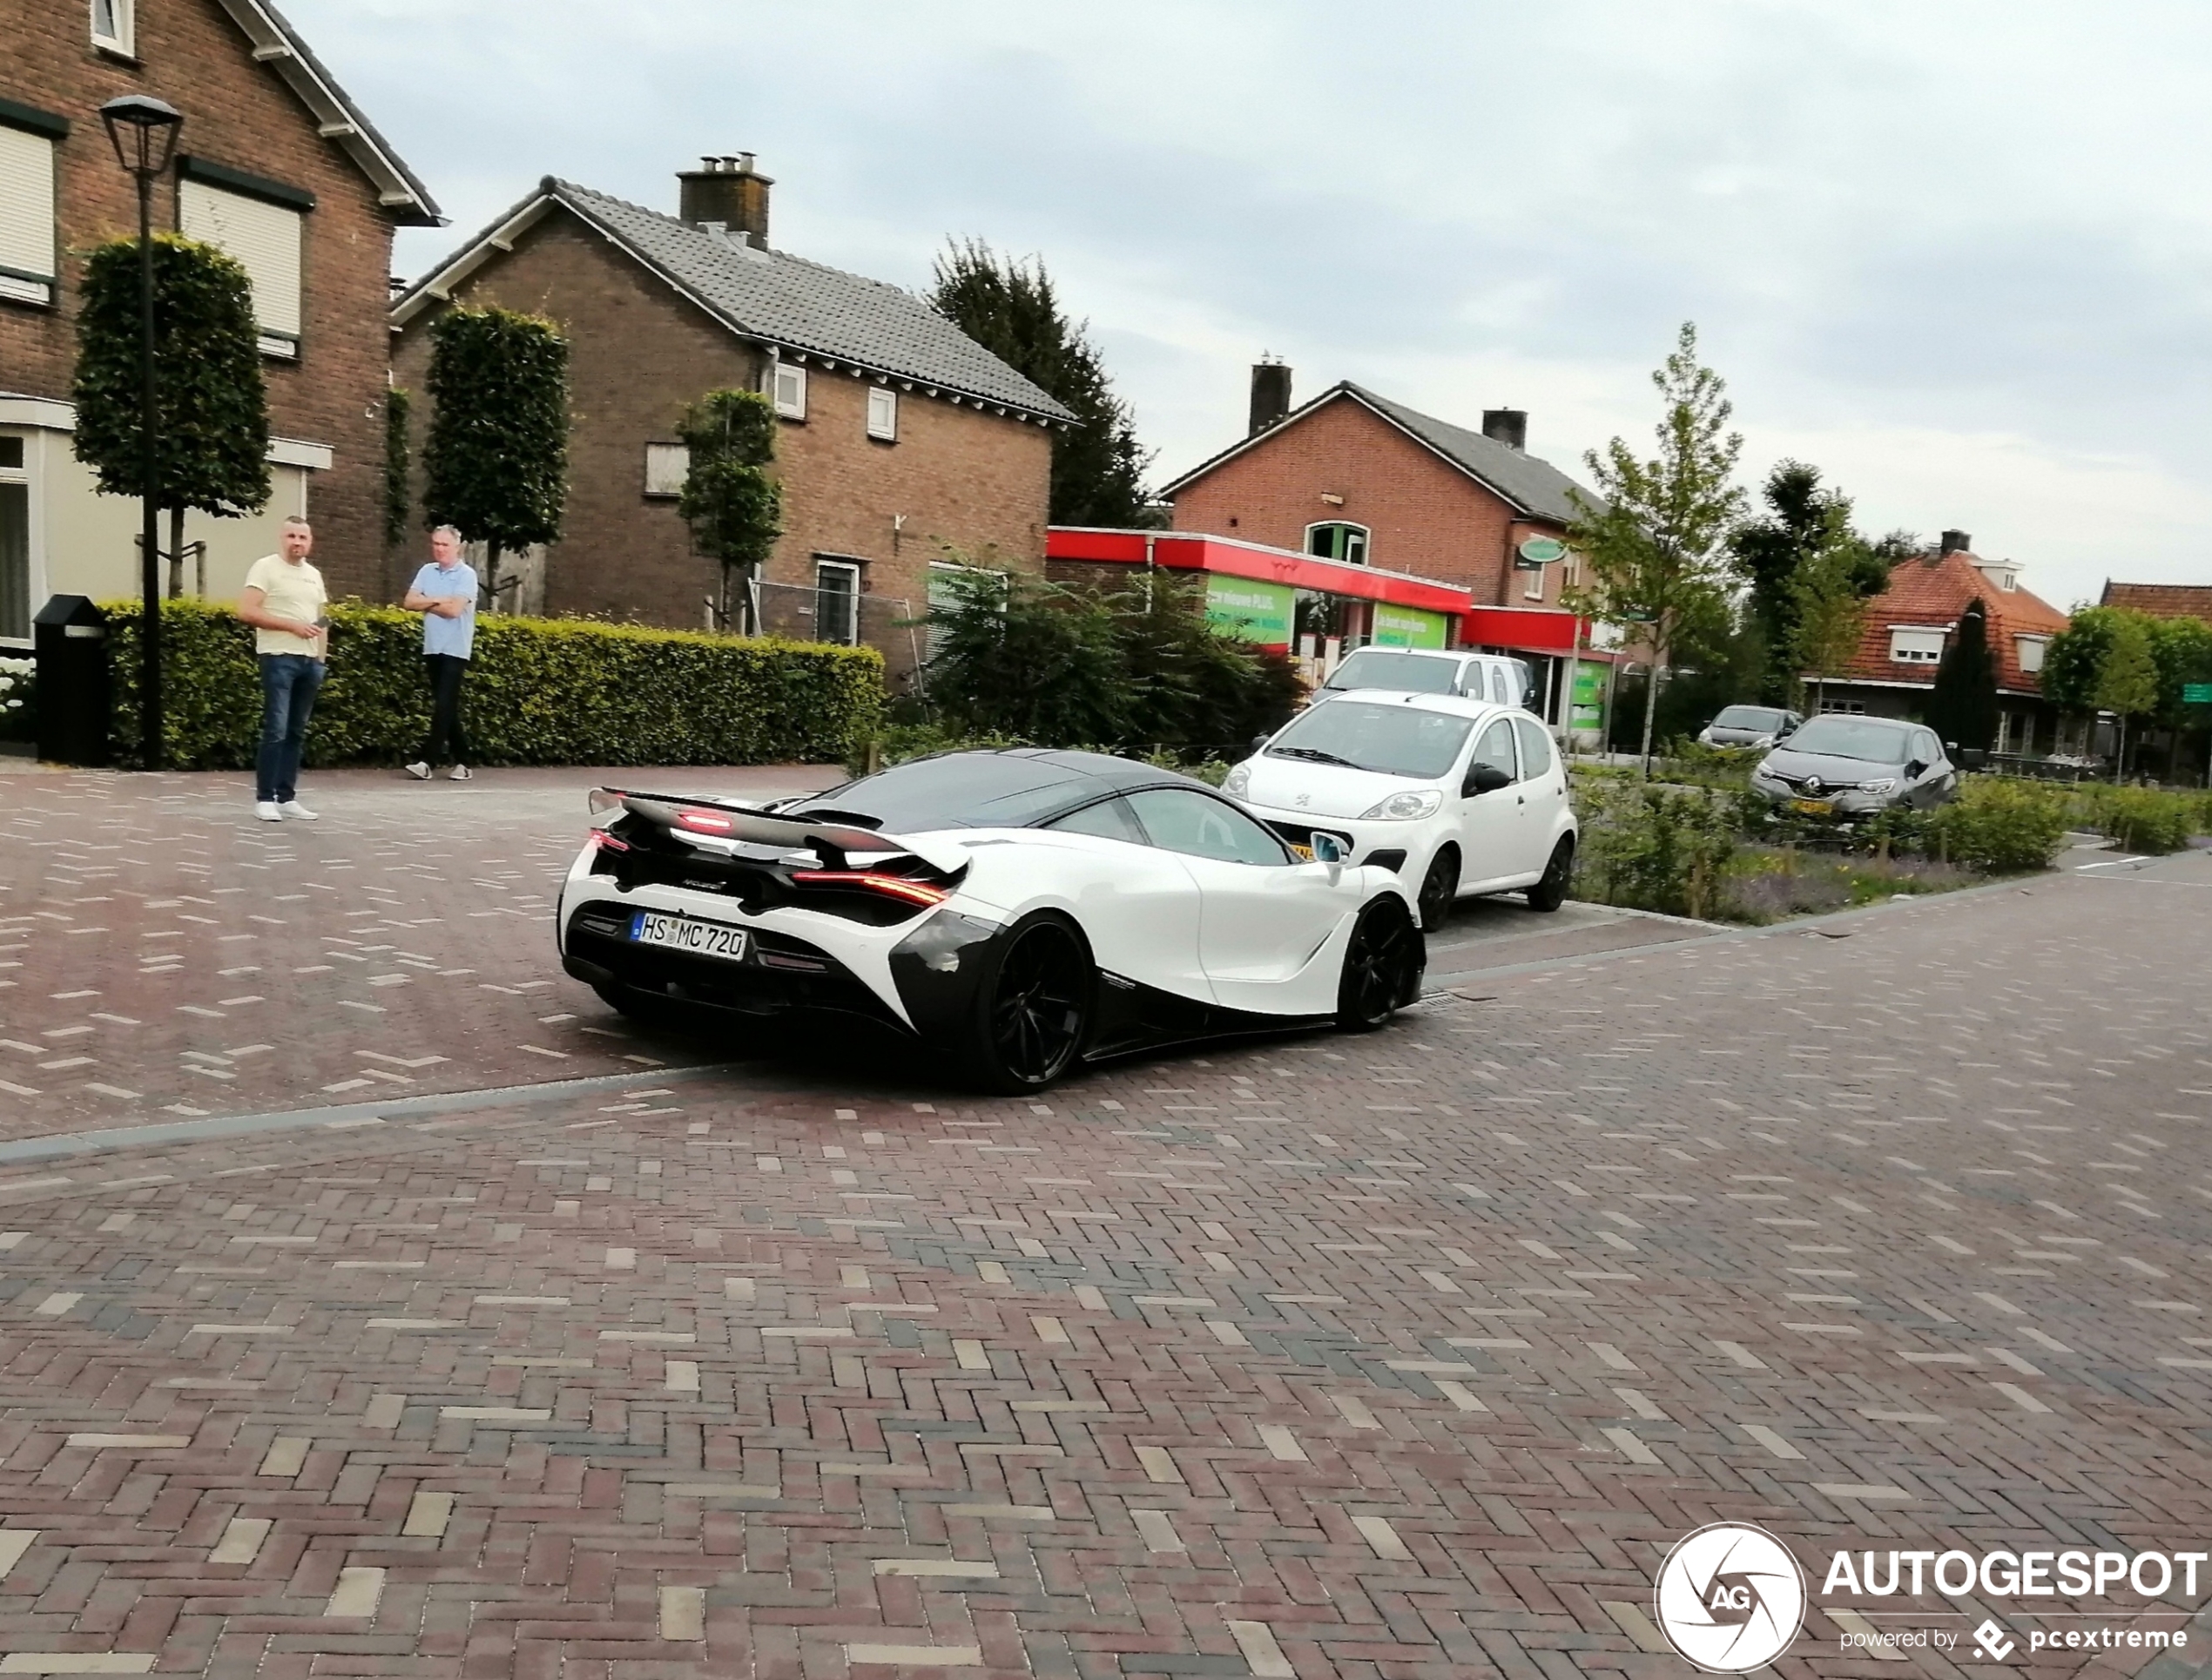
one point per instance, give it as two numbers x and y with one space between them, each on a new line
541 690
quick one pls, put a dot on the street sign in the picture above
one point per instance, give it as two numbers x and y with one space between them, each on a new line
1538 552
2197 693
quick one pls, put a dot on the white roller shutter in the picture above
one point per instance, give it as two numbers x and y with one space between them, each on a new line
26 215
263 236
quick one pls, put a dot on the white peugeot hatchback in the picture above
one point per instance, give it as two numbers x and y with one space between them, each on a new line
1464 796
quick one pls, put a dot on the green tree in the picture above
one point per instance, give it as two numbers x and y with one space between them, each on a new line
1016 656
1828 594
1652 541
1189 683
1962 709
2182 648
2074 661
495 461
1010 308
214 415
732 505
2128 685
1804 545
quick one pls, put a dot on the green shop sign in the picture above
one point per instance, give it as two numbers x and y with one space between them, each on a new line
1249 611
1408 627
2197 693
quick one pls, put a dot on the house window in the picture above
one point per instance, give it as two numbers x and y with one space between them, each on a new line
15 543
1533 588
114 26
265 239
26 215
1913 645
837 601
1336 540
883 414
2030 649
790 390
667 465
1849 708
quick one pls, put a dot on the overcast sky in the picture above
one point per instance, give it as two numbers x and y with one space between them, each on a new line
1950 253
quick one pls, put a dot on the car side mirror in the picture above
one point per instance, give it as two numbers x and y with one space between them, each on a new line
1259 742
1484 779
1915 769
1327 848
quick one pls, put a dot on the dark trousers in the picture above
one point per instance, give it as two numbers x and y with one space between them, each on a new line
289 683
447 744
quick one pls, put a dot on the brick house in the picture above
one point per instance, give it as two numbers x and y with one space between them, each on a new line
902 440
1354 475
276 165
1910 624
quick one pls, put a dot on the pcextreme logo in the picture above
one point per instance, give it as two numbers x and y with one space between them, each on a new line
1730 1597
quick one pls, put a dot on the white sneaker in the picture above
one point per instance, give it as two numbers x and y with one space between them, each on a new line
420 771
268 811
460 772
293 808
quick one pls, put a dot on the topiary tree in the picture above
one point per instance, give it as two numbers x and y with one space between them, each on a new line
734 509
1963 709
495 461
2075 659
212 410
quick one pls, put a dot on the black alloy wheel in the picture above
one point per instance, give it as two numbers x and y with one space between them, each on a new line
1382 966
1439 888
1036 1010
1550 892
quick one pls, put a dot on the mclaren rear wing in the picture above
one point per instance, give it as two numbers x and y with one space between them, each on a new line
703 822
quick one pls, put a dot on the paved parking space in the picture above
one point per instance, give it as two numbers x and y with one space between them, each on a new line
1396 1356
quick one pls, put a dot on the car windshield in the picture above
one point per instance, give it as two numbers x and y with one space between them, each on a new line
960 790
1409 673
1395 741
1852 738
1748 716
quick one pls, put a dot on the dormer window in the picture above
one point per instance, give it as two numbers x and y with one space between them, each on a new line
1337 540
1912 645
2030 651
114 27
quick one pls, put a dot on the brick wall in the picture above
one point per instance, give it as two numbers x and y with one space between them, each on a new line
962 479
1423 515
236 112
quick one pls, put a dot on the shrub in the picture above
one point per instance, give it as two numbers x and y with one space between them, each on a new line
541 690
2146 820
1650 847
2001 825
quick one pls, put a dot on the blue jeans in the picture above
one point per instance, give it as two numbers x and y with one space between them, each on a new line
288 684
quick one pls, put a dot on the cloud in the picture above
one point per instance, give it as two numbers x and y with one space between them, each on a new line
1952 254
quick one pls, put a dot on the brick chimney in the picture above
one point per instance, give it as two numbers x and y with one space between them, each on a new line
1507 425
1956 542
1270 394
728 191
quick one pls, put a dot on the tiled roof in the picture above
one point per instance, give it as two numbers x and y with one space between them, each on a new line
1524 482
1932 591
801 307
2161 600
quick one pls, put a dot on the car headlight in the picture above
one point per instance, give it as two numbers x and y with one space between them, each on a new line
1405 807
1885 786
1764 772
1236 781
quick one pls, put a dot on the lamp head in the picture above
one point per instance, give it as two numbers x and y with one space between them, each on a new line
143 130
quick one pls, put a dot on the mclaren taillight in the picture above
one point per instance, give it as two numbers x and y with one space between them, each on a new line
703 822
869 880
607 842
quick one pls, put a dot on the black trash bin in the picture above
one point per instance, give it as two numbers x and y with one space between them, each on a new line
70 637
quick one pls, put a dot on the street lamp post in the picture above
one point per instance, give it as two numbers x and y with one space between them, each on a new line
144 133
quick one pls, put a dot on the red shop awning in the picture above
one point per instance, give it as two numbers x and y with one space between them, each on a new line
1525 629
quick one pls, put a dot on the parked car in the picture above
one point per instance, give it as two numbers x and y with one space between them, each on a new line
1024 910
1464 796
1759 726
1428 671
1846 766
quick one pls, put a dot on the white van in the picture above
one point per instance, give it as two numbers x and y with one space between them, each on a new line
1424 671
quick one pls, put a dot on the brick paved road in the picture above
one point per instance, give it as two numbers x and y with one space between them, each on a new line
1398 1356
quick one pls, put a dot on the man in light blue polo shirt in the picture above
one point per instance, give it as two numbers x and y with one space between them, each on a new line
444 592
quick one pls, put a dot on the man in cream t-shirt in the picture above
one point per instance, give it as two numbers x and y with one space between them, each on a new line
284 602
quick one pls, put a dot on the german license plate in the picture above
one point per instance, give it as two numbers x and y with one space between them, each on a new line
688 934
1814 808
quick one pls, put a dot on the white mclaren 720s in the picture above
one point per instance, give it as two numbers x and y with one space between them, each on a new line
1018 912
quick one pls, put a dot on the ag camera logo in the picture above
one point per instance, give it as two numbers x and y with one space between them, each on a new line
1730 1597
